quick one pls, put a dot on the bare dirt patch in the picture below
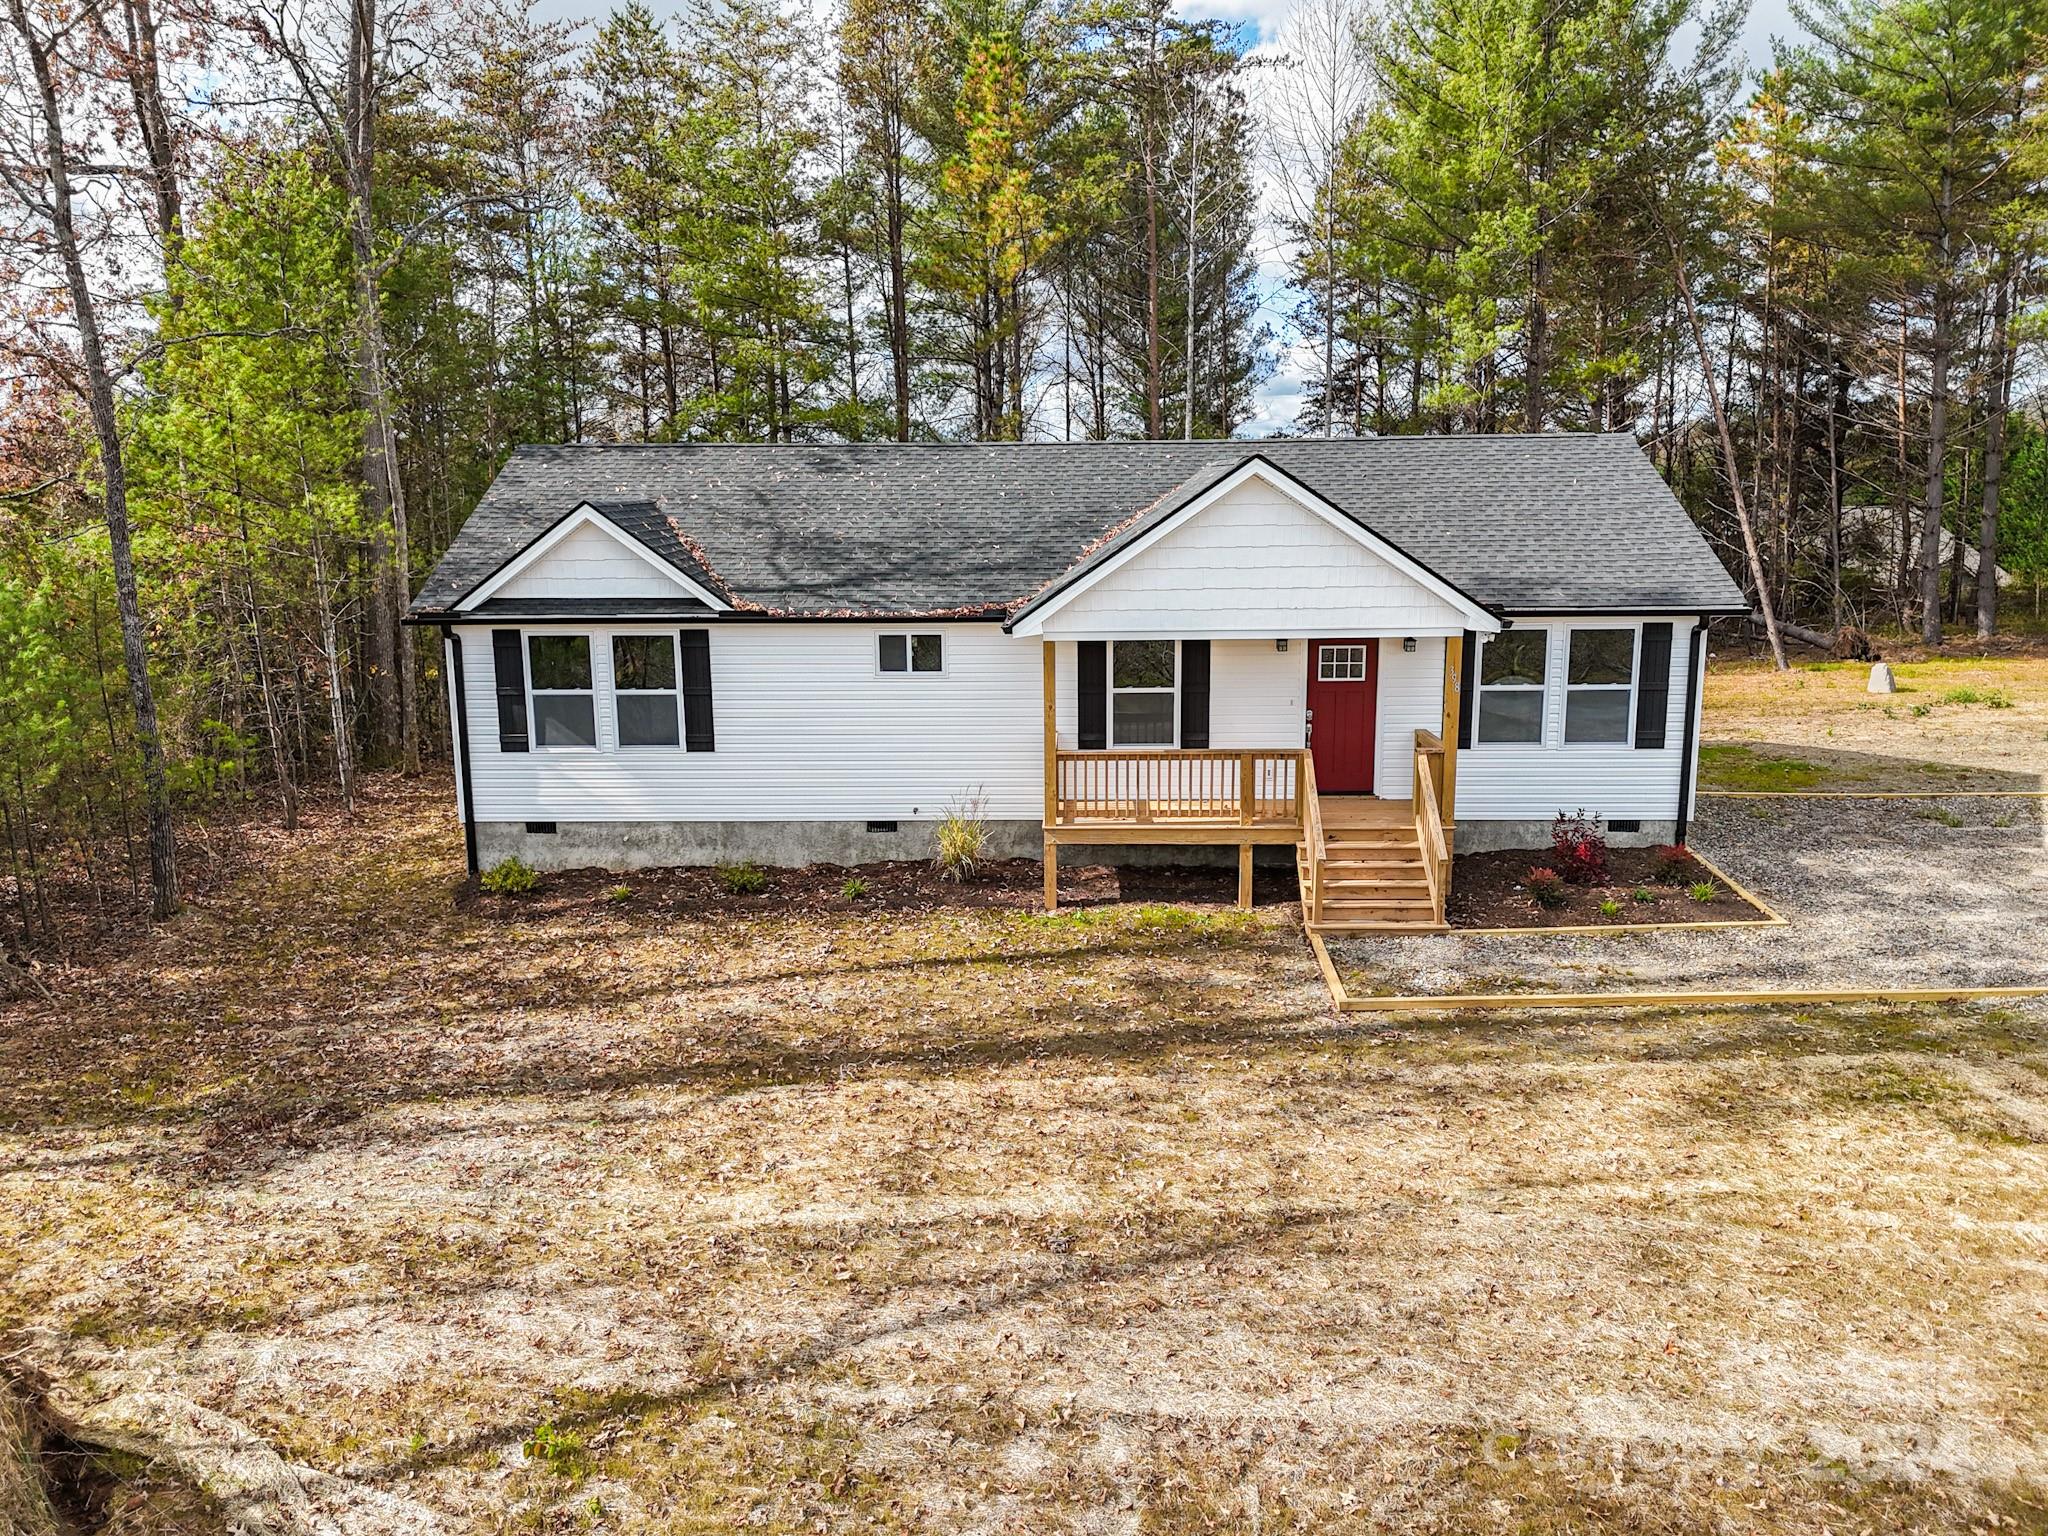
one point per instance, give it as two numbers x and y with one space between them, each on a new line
902 886
618 1219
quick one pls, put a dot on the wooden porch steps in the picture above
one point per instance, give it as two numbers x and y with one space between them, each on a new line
1373 881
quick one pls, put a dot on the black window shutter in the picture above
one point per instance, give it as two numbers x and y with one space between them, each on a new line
1194 693
697 733
1466 665
1653 685
1092 691
508 654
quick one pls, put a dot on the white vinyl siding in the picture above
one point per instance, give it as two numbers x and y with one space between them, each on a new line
1536 781
1254 563
1411 699
807 730
591 562
1257 694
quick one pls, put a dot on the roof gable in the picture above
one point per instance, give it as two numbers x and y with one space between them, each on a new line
599 551
1287 538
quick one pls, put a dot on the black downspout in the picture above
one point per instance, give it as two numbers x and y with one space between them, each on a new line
1685 768
462 748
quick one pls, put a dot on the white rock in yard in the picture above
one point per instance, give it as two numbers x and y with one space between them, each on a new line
1881 678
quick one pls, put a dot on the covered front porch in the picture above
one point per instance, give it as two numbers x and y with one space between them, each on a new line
1365 862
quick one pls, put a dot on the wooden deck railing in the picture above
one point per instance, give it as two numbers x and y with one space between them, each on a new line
1429 818
1312 837
1260 787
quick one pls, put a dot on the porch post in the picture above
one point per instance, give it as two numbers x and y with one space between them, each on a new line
1052 776
1454 683
1052 755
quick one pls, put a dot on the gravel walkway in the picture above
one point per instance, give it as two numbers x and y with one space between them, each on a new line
1878 893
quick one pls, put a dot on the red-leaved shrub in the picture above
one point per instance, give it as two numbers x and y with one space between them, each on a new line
1546 885
1579 848
1674 861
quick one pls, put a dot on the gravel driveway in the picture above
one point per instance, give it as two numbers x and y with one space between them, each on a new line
1879 893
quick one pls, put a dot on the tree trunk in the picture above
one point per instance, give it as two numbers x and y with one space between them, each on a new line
392 664
163 858
1940 342
1756 565
1994 457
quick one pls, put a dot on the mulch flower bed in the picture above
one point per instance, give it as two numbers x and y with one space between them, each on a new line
1491 890
902 886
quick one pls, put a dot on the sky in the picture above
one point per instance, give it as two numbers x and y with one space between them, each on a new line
1261 21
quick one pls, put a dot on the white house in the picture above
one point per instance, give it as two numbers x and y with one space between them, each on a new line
1360 649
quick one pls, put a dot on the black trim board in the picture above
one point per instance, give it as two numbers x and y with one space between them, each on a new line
459 740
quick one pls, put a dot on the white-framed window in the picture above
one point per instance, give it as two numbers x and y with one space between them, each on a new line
1514 668
561 701
1600 686
1340 664
644 693
902 655
1144 693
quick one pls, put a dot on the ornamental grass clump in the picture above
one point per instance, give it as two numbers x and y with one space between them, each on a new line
1578 848
960 841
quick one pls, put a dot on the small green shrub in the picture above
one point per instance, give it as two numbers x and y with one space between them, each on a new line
960 841
854 889
745 878
1942 814
619 893
1610 908
1920 710
1643 893
559 1450
509 877
1547 886
1702 890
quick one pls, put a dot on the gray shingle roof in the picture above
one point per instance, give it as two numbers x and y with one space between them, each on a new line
1534 523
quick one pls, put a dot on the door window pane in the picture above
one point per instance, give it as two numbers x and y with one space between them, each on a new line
1341 664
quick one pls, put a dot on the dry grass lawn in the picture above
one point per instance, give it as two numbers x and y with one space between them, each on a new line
602 1217
1957 721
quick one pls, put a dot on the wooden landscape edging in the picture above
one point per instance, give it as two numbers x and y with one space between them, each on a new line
1452 1002
1771 917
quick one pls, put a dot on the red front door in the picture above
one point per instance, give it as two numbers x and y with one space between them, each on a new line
1343 687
